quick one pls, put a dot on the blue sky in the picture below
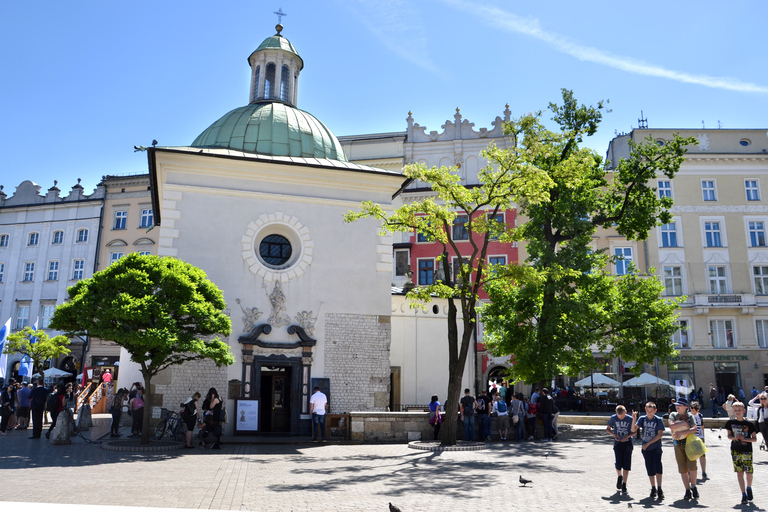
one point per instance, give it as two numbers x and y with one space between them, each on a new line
83 82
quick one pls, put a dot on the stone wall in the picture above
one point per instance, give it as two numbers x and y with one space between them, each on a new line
174 385
357 361
390 426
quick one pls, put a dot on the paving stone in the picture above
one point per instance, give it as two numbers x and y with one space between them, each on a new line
575 473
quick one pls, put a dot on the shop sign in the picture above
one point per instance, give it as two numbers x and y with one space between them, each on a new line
711 358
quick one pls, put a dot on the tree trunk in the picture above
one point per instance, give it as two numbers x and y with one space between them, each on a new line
457 358
146 431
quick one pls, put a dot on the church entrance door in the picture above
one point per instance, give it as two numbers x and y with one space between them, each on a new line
275 408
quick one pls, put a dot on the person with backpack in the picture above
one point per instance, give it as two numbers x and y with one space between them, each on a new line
212 419
531 413
501 410
467 405
37 403
483 411
190 415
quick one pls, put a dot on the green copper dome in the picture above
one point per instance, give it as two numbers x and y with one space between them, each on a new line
272 128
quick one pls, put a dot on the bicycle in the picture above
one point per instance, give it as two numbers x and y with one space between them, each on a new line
171 424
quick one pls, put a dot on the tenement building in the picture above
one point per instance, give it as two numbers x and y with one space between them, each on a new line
715 254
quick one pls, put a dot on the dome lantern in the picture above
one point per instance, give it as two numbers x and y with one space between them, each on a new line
275 67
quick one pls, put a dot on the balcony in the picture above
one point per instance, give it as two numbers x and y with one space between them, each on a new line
703 302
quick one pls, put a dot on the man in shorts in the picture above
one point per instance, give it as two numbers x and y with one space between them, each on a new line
678 421
620 427
742 434
653 431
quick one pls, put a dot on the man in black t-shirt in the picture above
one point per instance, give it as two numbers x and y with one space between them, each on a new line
467 405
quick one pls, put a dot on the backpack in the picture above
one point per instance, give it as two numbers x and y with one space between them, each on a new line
533 409
52 402
501 405
480 405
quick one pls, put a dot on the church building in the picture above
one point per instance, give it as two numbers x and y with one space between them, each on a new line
258 201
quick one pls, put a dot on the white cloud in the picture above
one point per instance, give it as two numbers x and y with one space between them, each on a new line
530 27
390 23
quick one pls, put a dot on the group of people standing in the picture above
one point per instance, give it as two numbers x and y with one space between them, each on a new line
18 400
685 424
511 410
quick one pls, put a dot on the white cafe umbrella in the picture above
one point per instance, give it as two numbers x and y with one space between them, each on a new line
598 380
646 379
54 373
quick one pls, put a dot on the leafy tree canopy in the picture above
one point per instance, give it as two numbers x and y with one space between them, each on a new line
158 309
559 308
37 345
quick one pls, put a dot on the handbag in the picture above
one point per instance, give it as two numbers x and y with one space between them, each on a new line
436 418
694 447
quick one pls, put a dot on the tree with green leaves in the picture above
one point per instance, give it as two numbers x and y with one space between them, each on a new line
560 306
37 346
433 218
163 311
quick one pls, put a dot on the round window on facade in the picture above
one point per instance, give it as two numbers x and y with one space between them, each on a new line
660 142
275 250
745 142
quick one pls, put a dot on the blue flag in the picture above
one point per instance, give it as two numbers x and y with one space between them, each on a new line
4 331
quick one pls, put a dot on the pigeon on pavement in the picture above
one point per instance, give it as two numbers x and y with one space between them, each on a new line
524 481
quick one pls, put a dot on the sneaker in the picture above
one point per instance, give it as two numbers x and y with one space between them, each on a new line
749 493
624 488
661 494
619 481
653 493
695 492
687 494
744 499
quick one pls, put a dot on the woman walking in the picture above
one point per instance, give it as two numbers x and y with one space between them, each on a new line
435 416
212 418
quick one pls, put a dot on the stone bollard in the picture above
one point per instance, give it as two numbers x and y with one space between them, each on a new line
84 418
61 434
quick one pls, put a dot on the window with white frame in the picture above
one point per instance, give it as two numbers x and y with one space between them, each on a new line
718 284
760 274
34 238
756 233
22 316
2 271
669 235
4 240
146 218
426 272
459 231
114 256
721 333
752 189
58 238
82 235
53 271
78 266
708 191
673 281
623 260
121 217
46 313
665 188
402 261
29 271
681 337
761 327
712 235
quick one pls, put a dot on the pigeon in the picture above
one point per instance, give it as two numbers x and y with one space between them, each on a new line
546 455
394 508
524 481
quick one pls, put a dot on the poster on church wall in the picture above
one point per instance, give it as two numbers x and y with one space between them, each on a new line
246 415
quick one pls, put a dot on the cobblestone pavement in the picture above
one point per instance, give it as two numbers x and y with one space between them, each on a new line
574 473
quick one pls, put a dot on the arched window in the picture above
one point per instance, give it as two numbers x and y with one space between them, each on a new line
269 83
256 83
285 77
